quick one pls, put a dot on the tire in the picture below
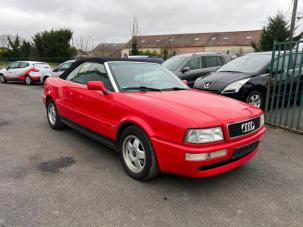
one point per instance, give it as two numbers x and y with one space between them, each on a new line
256 99
28 80
53 116
2 79
133 141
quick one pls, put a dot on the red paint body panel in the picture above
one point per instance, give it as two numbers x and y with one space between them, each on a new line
164 116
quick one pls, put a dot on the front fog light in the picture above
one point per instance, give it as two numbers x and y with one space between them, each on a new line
205 156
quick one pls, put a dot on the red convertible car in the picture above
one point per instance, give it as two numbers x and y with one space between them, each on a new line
153 119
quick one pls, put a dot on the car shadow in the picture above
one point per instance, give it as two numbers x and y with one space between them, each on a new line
22 83
165 179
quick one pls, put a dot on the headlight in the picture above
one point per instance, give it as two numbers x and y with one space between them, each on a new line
262 120
204 135
235 87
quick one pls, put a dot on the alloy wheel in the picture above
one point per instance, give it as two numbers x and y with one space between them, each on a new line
51 113
255 100
134 154
2 79
28 80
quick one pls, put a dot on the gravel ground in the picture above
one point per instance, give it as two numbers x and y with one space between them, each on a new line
61 178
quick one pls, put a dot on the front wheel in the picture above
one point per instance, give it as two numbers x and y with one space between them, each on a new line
28 80
137 154
2 79
53 116
256 99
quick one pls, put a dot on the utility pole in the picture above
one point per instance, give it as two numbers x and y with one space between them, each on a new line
293 19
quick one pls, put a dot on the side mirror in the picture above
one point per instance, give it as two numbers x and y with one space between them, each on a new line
185 81
185 69
97 86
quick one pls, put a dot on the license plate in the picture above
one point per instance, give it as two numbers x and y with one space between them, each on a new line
243 151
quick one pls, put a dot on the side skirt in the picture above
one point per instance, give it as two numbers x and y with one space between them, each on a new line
89 133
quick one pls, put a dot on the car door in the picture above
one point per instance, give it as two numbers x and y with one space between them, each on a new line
12 71
95 106
90 109
195 70
211 63
23 70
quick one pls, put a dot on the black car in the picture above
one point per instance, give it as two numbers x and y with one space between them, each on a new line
246 77
192 66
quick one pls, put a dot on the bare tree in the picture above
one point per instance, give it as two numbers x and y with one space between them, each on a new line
134 37
84 43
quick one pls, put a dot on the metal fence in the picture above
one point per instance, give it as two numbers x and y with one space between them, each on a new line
284 100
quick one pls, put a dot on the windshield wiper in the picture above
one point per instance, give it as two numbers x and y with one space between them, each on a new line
141 88
174 89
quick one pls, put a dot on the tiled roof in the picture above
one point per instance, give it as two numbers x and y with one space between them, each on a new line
241 38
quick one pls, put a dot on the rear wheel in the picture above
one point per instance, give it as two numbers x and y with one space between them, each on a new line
256 99
137 154
52 115
2 79
28 80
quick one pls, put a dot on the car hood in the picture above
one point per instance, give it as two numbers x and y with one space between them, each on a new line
226 77
202 108
219 80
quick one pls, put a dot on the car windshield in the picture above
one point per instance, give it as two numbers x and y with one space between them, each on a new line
134 76
174 62
247 64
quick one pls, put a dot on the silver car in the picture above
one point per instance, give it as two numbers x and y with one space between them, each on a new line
24 71
56 71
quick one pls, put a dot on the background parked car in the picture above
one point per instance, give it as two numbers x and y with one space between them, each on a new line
192 66
25 71
246 77
56 71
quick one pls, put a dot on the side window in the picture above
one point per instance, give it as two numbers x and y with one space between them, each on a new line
14 65
80 77
23 65
194 63
97 72
90 72
220 60
211 61
283 63
72 76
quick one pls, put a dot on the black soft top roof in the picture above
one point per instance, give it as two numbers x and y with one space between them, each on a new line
101 61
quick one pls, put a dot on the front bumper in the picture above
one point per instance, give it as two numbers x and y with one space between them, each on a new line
171 157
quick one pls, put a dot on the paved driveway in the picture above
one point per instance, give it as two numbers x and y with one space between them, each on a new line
51 178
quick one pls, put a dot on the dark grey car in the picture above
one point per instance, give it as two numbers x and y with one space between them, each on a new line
192 66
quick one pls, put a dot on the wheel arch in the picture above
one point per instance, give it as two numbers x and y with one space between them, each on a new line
133 122
47 98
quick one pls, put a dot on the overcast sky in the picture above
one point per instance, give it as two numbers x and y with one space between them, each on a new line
110 20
